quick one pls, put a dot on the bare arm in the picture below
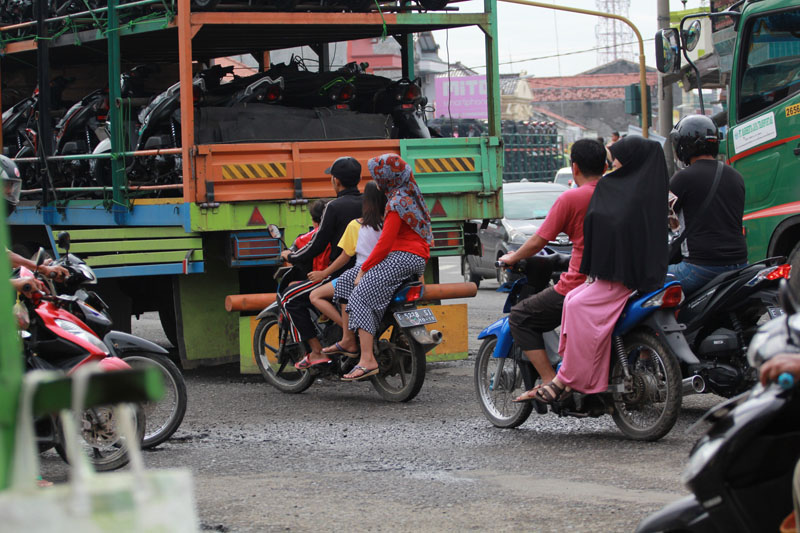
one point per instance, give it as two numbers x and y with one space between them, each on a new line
338 263
56 272
532 246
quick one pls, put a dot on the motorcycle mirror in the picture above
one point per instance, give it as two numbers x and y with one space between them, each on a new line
63 241
39 257
274 231
786 299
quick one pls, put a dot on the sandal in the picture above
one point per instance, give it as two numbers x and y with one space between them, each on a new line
365 373
551 393
305 363
337 349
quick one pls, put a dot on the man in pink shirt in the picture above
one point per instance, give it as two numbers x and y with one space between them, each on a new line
537 314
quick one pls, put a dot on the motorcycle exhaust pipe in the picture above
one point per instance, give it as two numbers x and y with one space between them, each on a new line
436 335
694 385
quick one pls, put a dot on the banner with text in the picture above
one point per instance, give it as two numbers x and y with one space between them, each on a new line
461 97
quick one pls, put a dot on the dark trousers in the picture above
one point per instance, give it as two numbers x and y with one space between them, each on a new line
534 316
298 309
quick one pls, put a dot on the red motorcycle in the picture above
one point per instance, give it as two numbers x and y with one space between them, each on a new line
57 340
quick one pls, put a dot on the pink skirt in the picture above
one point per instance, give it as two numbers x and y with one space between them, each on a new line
587 321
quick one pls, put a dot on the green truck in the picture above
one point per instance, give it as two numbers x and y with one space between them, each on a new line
762 120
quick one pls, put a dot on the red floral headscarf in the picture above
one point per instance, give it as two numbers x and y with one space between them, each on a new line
394 177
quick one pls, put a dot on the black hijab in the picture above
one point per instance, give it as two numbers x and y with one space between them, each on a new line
625 230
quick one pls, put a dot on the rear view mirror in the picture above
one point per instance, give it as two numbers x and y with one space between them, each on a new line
274 231
692 36
63 240
39 257
668 59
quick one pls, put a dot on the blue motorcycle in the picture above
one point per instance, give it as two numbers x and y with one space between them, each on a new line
645 387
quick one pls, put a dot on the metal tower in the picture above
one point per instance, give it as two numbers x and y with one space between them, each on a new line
615 40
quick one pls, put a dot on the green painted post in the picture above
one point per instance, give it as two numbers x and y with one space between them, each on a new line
10 359
118 178
492 68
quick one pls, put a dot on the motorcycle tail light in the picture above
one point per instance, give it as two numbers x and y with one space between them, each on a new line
407 106
410 294
345 93
411 92
782 271
672 296
273 94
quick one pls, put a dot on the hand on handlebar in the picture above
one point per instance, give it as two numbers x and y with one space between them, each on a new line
27 286
55 272
285 255
782 363
508 259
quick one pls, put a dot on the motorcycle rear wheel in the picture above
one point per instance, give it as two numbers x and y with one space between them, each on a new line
277 365
402 366
650 411
496 402
164 417
111 454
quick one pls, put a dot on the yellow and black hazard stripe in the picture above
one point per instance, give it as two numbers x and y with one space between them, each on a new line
445 164
254 171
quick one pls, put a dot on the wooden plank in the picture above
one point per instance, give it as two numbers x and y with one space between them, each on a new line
107 234
140 258
137 245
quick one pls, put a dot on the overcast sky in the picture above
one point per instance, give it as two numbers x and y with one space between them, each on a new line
529 36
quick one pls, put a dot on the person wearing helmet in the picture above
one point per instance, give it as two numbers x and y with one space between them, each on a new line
715 242
12 186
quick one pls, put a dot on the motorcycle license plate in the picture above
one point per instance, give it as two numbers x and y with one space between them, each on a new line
775 312
415 317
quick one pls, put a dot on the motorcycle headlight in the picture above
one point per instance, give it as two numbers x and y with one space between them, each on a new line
74 329
700 458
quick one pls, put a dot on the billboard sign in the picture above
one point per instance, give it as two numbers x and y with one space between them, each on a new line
461 97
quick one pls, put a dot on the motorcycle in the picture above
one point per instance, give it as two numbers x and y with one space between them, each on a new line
720 320
644 390
163 417
400 343
58 340
740 471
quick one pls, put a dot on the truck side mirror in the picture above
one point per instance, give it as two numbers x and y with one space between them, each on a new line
692 36
668 58
63 241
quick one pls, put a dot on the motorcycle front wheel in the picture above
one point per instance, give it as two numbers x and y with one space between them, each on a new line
101 441
164 417
275 361
496 391
650 410
401 361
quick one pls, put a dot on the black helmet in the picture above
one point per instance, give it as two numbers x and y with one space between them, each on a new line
12 184
694 135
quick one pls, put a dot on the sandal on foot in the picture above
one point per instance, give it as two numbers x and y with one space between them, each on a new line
305 362
337 349
551 393
527 396
365 373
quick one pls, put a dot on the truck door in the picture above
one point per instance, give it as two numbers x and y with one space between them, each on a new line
764 138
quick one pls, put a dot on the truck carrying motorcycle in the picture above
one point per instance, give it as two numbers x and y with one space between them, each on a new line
433 292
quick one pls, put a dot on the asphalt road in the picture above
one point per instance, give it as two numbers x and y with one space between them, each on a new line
338 457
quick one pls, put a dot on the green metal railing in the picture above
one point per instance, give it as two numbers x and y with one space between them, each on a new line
532 156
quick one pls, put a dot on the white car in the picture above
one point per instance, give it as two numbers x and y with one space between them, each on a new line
564 177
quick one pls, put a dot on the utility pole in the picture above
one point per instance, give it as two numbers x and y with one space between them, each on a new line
665 103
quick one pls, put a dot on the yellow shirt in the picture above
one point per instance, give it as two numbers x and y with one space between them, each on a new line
349 238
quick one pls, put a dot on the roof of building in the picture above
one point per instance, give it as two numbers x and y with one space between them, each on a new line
557 118
585 86
618 66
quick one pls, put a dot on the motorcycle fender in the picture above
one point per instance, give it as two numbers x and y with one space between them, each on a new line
271 309
423 337
494 329
120 343
685 514
663 323
110 364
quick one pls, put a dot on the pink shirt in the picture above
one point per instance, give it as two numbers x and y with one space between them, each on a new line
567 215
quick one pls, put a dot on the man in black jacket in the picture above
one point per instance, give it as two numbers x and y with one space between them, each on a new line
345 174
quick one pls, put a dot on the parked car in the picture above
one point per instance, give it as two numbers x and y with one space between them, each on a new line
564 177
525 207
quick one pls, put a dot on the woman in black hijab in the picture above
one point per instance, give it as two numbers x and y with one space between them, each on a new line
625 249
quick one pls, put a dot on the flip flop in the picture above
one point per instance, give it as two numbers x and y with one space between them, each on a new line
365 373
305 363
527 396
339 350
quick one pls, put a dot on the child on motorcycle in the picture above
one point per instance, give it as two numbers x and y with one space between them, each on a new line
625 249
401 253
359 238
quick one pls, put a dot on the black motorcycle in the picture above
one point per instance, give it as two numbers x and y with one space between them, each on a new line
400 344
720 320
163 417
740 471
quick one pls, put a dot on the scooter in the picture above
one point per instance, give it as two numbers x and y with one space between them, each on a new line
740 471
400 354
644 390
57 340
163 417
720 320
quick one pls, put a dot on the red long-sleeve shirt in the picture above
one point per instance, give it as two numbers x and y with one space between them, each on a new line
396 236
